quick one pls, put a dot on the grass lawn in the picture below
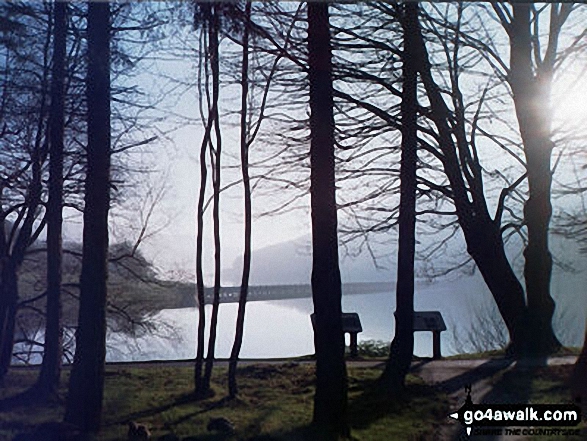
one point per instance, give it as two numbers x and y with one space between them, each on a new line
275 403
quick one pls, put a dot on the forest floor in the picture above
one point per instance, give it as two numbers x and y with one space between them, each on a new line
275 401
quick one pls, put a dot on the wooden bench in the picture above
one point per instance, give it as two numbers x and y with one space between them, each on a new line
351 324
430 321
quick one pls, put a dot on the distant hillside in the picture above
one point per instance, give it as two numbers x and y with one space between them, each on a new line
134 291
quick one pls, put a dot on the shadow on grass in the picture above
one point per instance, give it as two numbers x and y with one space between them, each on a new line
514 387
373 403
188 398
485 370
29 397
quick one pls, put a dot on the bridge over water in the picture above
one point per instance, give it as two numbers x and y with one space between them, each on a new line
230 294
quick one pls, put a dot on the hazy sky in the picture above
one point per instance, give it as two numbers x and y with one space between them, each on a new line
172 249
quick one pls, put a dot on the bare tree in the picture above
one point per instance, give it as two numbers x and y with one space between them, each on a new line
530 78
209 16
23 109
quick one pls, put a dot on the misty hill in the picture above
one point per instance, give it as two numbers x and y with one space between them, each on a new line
134 291
291 263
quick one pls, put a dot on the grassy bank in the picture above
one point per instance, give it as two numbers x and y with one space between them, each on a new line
275 404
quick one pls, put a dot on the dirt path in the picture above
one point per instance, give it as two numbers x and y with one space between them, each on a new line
451 376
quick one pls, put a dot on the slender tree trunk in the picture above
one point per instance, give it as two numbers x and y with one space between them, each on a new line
52 357
330 400
402 346
199 271
242 302
198 377
86 387
531 98
216 156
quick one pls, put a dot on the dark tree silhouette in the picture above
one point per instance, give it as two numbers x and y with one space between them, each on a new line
52 355
215 156
531 90
86 387
23 152
402 346
244 147
330 400
199 388
482 233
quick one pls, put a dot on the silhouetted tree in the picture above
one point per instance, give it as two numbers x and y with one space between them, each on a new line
530 79
23 150
482 233
330 399
86 387
52 354
208 16
199 388
215 157
244 153
402 346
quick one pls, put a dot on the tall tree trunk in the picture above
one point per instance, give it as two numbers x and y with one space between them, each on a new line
199 271
86 387
8 308
402 346
216 156
242 302
330 400
531 98
52 356
198 377
482 234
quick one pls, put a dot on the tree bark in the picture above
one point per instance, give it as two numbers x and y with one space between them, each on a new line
531 98
52 357
330 399
242 303
402 346
86 387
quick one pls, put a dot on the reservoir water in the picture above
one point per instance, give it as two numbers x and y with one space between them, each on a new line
282 328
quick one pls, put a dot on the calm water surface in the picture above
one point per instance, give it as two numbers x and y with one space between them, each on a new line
282 328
